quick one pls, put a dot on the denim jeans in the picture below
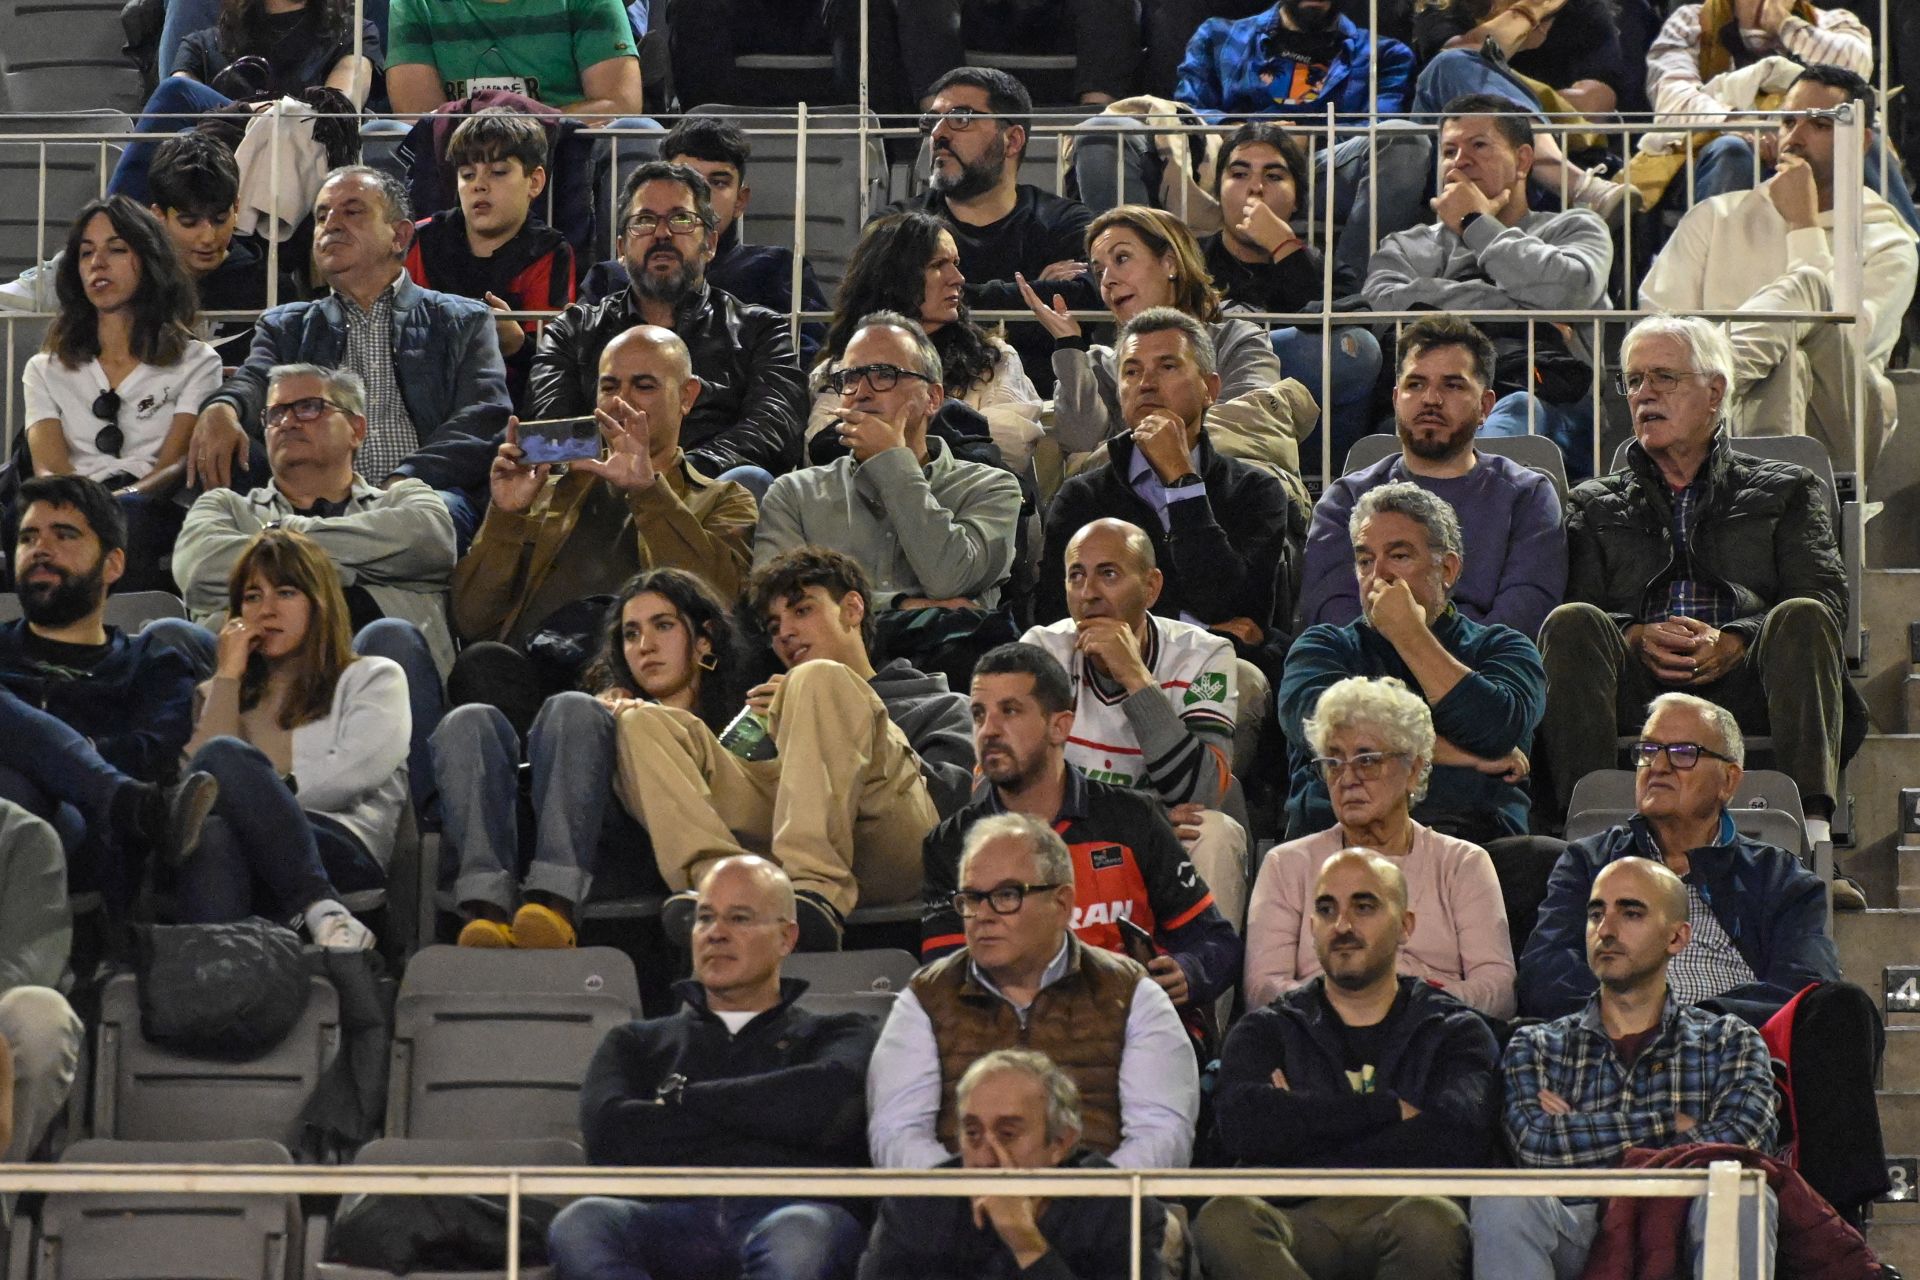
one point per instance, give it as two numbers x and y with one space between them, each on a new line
476 758
1355 366
1568 425
1726 164
755 480
598 1238
176 103
54 773
184 17
260 846
1454 72
1543 1238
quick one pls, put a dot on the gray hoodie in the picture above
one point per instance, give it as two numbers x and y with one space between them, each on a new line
939 728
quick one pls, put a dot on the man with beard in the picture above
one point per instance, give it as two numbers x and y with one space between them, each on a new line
1510 516
1127 862
1358 1069
93 719
976 128
747 423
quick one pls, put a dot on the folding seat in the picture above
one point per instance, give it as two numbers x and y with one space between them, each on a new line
62 54
41 203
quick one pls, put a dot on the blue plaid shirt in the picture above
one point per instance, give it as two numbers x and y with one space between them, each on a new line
1714 1068
1688 596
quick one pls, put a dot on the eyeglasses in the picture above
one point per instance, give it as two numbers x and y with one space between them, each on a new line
106 407
1004 899
1661 380
305 409
881 377
706 920
1681 755
1367 766
679 222
960 119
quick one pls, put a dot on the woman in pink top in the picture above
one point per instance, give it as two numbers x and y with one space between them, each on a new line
1373 741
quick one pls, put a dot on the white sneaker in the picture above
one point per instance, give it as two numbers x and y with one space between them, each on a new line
33 290
337 930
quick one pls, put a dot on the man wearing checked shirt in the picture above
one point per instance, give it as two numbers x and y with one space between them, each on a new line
1635 1068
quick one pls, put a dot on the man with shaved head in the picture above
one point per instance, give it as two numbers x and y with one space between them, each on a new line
1636 1067
550 540
1358 1068
1154 697
740 1075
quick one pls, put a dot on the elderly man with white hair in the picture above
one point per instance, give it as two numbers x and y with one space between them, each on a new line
1696 568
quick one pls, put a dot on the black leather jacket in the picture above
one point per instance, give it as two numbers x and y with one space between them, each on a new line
753 398
1765 534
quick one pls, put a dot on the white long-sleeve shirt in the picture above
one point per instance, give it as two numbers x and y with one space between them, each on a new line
1673 62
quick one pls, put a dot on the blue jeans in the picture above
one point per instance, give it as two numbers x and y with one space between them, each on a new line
1355 366
184 17
755 480
466 509
476 760
259 845
54 773
1454 72
1543 1238
598 1238
176 103
1726 164
1568 425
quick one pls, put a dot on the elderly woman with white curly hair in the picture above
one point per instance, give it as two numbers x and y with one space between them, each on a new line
1373 742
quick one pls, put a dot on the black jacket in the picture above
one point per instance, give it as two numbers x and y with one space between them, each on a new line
1765 534
1232 554
788 1090
1436 1053
135 704
753 399
934 1239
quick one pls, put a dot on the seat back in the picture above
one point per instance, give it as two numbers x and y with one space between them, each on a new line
1536 453
491 1153
33 218
62 51
145 1092
852 972
1770 826
497 1042
127 610
1602 789
1804 450
160 1236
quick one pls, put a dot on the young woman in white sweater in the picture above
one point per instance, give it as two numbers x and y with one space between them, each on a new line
309 744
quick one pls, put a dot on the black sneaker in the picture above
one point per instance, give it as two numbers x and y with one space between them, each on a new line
821 927
676 918
171 817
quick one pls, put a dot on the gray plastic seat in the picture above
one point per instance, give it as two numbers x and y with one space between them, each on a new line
128 610
33 227
884 969
1537 453
1759 789
161 1236
62 51
1774 826
145 1092
496 1043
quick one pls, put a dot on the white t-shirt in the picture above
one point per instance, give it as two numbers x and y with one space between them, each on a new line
149 399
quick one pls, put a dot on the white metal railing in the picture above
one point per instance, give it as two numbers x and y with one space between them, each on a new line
1724 1184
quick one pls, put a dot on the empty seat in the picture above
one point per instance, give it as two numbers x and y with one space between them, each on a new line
34 217
146 1092
495 1043
62 51
848 972
128 610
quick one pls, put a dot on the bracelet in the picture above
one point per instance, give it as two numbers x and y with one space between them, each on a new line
1533 19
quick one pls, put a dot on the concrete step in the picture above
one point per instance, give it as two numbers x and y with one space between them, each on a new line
1900 1069
1886 763
1896 1243
1893 537
1890 601
1900 1122
1869 941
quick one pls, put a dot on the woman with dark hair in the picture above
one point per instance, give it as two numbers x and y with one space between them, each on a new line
309 745
114 392
908 262
668 639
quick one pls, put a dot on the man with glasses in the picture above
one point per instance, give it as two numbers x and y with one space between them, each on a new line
1758 947
747 424
1697 568
927 526
739 1075
1024 980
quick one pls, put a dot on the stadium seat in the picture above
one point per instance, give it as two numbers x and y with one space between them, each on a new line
1538 453
149 1093
55 47
847 972
1774 826
34 217
495 1043
1759 789
128 610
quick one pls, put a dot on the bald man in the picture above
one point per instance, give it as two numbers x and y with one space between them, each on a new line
1635 1068
1154 698
1358 1068
550 541
739 1075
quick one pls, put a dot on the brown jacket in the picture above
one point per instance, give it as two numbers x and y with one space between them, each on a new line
1080 1022
513 577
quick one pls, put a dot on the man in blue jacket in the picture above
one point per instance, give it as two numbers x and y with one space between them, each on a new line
1360 1068
1759 940
92 719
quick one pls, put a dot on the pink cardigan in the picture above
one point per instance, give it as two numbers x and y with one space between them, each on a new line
1459 939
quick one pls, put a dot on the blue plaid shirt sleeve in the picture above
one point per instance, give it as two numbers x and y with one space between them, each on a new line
1743 1090
1594 1136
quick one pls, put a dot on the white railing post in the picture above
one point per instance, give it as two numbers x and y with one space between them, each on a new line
1326 309
1723 1221
800 219
513 1225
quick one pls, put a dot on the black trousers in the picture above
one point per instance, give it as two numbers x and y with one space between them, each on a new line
1105 37
1838 1039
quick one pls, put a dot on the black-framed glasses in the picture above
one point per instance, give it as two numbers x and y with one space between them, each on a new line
305 409
111 439
1661 380
881 377
1681 755
1005 899
1366 765
680 222
959 119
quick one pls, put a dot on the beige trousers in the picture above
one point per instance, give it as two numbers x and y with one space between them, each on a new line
1219 854
842 808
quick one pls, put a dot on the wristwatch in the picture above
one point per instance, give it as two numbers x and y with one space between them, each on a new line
1468 221
1186 481
671 1091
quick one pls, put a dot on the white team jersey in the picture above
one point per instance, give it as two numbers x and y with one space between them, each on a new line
1194 668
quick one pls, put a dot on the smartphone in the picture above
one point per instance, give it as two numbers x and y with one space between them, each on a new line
559 440
1137 941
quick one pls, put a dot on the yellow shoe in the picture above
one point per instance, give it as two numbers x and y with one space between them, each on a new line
481 932
538 928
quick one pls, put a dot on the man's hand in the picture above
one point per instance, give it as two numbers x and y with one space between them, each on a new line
1683 650
1015 1219
1245 630
1394 612
1259 223
1774 15
1715 652
1161 439
1794 194
1512 767
867 434
1065 269
1407 1110
1110 642
1458 198
1166 971
1186 819
218 445
760 697
1684 1122
628 465
1279 1079
1054 319
1553 1104
511 484
512 336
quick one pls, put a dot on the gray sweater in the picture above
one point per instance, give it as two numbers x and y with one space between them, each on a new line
1549 262
36 924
